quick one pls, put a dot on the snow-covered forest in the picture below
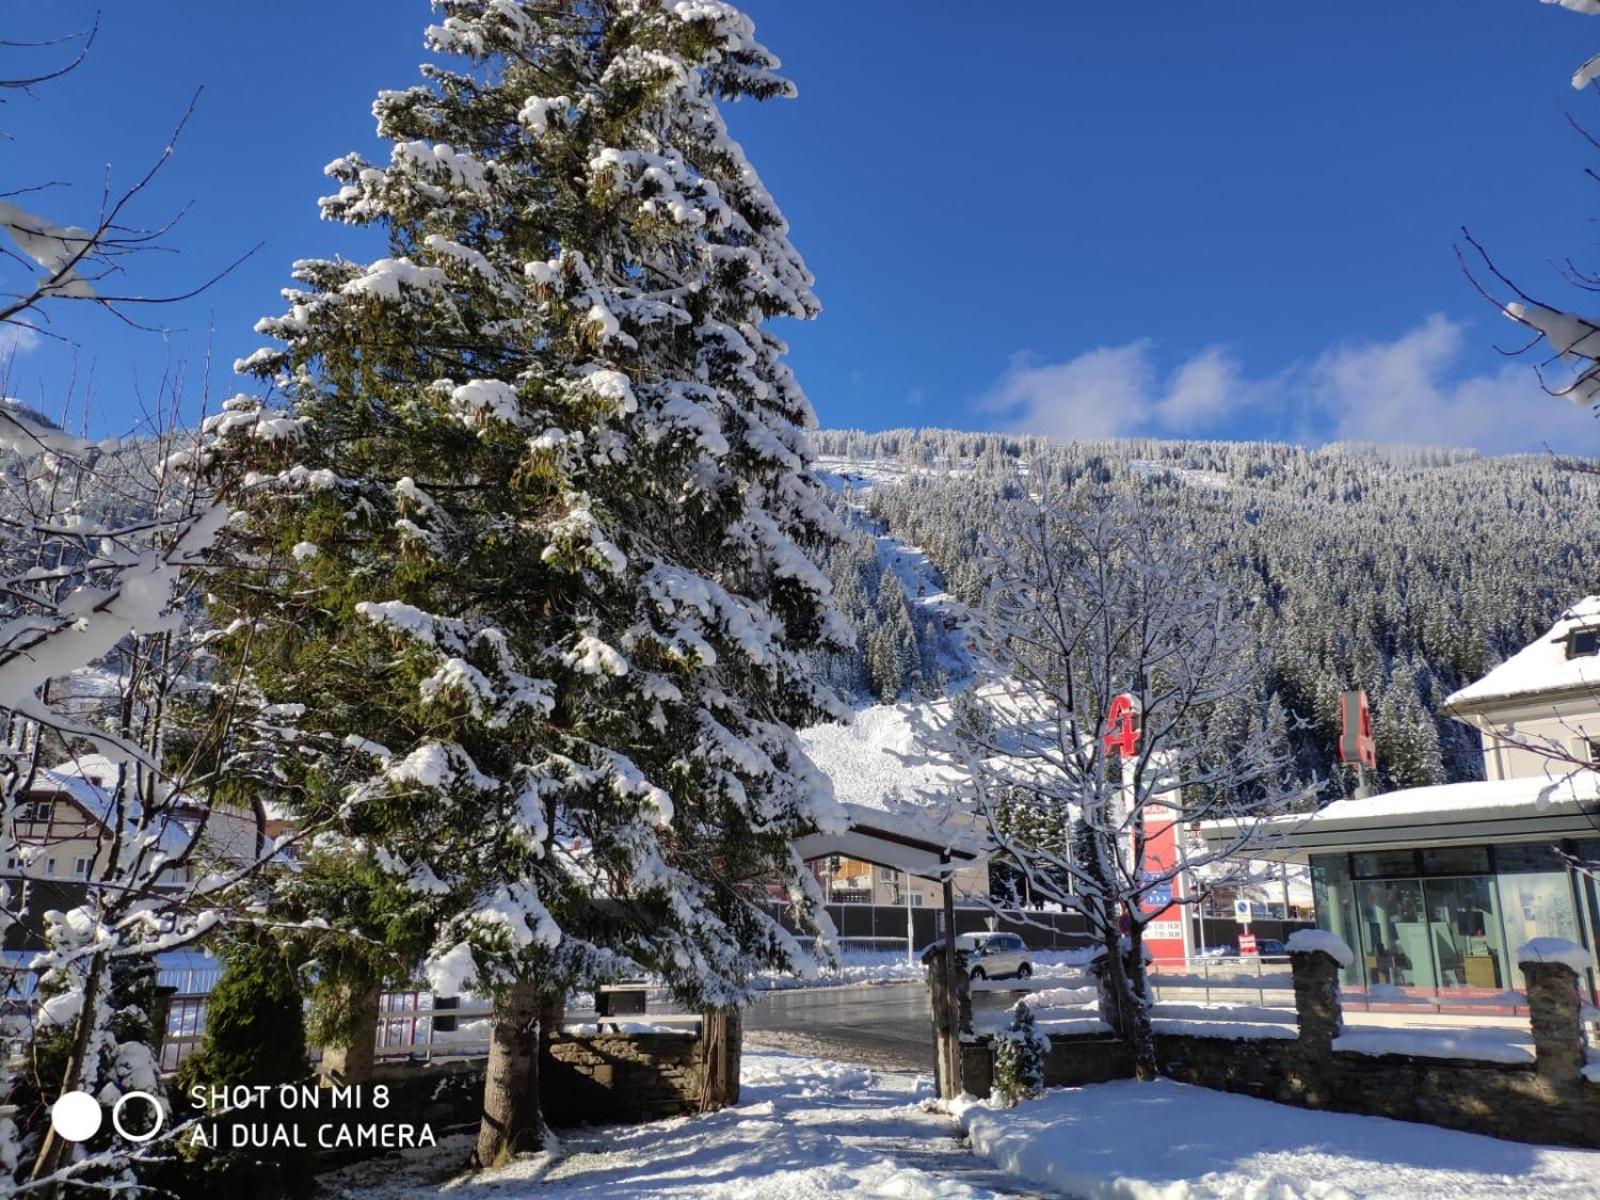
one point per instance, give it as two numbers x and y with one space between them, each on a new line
1405 572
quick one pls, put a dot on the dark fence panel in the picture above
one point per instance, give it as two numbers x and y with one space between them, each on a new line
1041 930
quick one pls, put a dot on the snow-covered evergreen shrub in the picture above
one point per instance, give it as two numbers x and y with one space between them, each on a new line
1019 1054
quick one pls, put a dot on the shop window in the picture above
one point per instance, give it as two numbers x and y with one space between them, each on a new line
1395 938
1456 860
1538 904
1527 856
1377 863
1464 924
1335 905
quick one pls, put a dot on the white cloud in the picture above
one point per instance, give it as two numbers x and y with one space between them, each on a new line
1412 389
1116 390
1205 389
1102 393
16 339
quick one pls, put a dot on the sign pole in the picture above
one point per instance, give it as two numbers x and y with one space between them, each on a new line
950 1077
911 929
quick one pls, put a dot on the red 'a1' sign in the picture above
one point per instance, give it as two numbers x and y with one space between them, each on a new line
1122 727
1355 732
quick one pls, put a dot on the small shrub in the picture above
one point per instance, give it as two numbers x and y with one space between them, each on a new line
1019 1054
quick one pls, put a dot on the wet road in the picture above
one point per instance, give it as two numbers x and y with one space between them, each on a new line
885 1026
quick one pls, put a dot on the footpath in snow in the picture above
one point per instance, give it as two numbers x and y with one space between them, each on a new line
804 1129
1171 1141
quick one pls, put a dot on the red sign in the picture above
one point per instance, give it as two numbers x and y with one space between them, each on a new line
1164 917
1355 732
1247 943
1122 727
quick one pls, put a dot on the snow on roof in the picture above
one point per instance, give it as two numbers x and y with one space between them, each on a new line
1483 798
882 769
90 780
1541 666
878 760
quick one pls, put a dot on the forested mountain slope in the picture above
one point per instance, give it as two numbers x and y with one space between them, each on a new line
1406 572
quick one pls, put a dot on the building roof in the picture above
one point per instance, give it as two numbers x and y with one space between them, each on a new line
90 780
1540 667
1448 814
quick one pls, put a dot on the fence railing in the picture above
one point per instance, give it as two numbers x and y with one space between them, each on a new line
412 1024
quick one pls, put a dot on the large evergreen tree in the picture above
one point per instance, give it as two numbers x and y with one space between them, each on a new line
522 571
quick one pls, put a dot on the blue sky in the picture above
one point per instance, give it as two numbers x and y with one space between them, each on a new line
1086 218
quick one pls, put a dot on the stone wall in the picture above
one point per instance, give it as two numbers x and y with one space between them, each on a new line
621 1077
1545 1101
583 1078
1505 1100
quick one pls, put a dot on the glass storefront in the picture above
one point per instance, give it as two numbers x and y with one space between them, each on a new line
1445 918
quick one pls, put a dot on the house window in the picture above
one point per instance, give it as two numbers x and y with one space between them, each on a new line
35 812
1583 643
916 899
888 874
49 866
80 868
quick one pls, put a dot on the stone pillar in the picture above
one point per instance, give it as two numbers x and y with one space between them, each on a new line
1317 1005
354 1063
1553 1011
721 1039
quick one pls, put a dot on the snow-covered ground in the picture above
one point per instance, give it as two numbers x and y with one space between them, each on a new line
803 1129
1170 1141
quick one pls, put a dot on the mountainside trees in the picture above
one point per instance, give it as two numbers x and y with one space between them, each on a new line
521 567
1390 569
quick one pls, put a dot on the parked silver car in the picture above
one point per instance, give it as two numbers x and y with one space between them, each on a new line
995 955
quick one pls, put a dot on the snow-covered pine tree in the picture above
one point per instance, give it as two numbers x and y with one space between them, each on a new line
1019 1054
1407 742
523 557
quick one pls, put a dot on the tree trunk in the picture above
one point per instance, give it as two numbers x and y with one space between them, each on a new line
53 1152
1130 1015
1142 1034
354 1062
512 1122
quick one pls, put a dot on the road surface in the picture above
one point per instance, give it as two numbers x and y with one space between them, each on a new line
885 1026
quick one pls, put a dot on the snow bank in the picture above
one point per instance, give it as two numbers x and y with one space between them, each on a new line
1122 1141
1486 1045
1555 950
1309 941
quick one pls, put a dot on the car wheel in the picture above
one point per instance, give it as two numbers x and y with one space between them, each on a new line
1024 972
977 974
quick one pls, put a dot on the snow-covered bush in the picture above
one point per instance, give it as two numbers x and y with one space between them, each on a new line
1019 1054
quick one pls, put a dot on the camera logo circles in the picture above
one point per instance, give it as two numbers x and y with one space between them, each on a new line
77 1116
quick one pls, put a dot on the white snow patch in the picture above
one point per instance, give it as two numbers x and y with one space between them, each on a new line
1171 1141
1555 950
1490 1044
1309 941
